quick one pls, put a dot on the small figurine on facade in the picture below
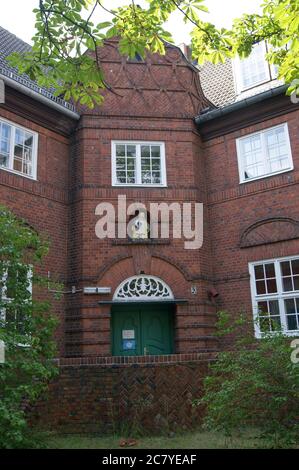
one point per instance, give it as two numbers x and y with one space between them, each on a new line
139 226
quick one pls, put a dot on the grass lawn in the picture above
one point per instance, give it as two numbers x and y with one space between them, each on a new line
195 440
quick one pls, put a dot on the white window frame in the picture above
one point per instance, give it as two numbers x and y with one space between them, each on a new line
138 144
7 299
241 165
280 295
238 73
10 168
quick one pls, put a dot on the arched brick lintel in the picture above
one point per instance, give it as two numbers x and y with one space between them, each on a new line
124 267
271 230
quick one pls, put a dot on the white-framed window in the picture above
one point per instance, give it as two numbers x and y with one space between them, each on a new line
264 153
275 295
138 163
18 149
254 70
8 285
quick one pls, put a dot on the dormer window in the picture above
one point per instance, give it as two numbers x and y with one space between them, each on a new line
254 70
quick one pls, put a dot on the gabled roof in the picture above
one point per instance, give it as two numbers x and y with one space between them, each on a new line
10 43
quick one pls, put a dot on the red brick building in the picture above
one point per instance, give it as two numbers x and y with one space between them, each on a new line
224 136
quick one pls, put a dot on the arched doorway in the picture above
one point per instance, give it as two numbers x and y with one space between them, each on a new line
142 317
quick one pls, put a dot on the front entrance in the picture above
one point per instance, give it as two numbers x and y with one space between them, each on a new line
139 330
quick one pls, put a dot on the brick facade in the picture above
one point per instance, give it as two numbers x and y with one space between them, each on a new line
90 396
155 100
250 222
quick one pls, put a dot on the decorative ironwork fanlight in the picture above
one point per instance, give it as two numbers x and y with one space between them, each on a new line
143 288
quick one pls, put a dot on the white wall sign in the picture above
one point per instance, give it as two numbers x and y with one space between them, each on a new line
128 334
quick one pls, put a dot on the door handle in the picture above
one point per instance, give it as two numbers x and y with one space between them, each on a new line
144 351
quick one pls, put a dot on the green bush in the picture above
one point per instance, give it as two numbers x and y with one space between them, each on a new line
253 385
26 329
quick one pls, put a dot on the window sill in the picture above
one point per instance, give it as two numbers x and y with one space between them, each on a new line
255 85
258 178
138 186
141 241
17 173
287 334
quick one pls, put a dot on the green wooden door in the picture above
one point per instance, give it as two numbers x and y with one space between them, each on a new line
139 330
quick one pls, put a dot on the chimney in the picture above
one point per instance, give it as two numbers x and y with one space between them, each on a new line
186 50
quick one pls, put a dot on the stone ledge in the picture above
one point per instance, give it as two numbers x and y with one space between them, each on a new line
147 241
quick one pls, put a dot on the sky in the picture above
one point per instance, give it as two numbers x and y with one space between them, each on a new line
17 16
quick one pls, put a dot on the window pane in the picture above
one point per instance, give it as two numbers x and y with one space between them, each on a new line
130 177
260 287
125 163
254 68
121 177
130 164
155 164
23 152
277 149
275 323
5 135
290 272
295 266
290 306
273 307
259 271
292 322
145 164
155 151
264 325
285 268
146 177
263 307
270 270
156 177
292 310
145 151
131 151
120 150
120 163
15 319
150 164
269 315
11 283
271 286
287 284
251 151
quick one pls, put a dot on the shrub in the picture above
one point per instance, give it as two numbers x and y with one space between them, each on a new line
254 385
26 329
